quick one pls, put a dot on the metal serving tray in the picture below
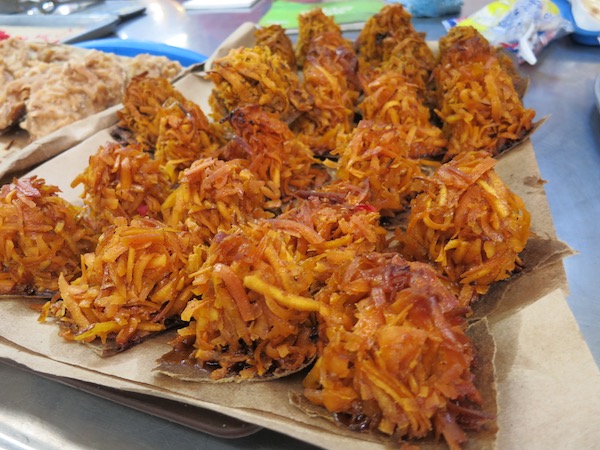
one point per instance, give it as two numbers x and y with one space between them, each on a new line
65 29
199 419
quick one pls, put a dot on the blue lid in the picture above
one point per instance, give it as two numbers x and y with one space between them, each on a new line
128 47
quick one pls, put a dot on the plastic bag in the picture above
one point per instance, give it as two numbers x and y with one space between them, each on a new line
524 27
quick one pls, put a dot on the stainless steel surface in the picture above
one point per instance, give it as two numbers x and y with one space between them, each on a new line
41 414
168 22
193 417
59 7
66 7
10 7
597 91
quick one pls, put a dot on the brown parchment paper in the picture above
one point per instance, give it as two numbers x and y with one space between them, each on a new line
18 154
547 381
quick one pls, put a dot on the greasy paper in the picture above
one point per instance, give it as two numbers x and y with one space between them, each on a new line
548 384
18 154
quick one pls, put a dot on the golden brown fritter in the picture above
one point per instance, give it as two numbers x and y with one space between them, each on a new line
131 285
143 101
44 86
212 196
185 135
122 181
275 38
393 354
391 99
381 33
469 224
330 78
377 156
273 153
310 25
255 318
476 98
255 76
41 237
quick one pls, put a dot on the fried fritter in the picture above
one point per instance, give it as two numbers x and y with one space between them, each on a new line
413 59
377 155
275 38
330 77
255 318
122 181
393 354
310 25
255 76
184 135
469 44
381 33
50 97
330 232
41 237
132 284
469 224
477 101
142 104
273 153
212 196
391 99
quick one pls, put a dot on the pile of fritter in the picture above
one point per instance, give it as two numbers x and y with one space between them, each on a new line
337 208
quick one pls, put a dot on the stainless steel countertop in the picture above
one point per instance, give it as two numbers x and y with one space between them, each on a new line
37 413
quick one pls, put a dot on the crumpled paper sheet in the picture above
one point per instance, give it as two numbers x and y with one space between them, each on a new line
18 154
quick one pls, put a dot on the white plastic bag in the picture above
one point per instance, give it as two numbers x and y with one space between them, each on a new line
521 26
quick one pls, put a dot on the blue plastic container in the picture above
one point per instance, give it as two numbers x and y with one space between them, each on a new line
128 47
579 35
